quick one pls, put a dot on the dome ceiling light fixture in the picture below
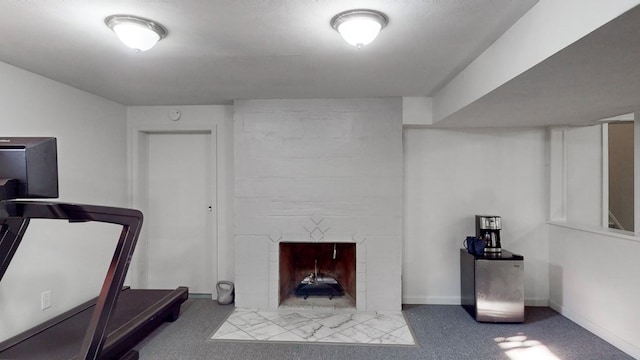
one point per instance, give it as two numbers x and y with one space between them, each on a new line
359 27
137 33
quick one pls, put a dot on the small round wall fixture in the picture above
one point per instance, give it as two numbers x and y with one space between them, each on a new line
359 27
136 32
174 115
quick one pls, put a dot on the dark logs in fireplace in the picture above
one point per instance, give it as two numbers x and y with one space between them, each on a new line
317 269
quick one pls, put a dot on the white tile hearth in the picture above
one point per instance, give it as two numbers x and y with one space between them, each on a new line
299 325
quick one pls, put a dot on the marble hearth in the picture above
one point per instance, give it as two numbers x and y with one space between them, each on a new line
328 327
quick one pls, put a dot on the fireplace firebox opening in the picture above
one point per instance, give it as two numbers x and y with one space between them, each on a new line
311 271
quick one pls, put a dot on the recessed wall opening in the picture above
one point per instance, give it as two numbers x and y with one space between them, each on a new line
317 275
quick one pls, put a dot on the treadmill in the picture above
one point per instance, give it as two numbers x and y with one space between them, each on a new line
107 327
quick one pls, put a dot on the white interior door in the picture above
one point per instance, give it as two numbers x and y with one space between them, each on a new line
178 213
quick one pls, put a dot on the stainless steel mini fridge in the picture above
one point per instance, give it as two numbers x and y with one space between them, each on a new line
492 286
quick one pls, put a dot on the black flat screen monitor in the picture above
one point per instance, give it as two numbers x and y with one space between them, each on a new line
28 167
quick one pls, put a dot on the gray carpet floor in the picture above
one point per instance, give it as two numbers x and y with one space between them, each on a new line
441 332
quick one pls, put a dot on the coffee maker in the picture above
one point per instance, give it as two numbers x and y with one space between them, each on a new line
488 228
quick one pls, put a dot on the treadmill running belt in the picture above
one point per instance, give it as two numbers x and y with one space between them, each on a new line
137 313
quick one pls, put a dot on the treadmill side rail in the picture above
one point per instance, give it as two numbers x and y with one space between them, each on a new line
11 233
14 219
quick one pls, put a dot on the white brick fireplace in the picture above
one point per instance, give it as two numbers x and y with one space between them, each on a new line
319 171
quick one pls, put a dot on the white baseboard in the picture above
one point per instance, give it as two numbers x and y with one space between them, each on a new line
431 300
455 300
536 302
599 331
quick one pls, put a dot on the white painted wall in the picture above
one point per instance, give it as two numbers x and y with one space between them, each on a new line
594 282
417 111
584 175
592 270
339 161
452 175
69 259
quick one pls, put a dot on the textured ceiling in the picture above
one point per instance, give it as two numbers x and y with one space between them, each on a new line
221 50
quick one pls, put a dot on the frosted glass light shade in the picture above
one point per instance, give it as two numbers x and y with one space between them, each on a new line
137 33
359 27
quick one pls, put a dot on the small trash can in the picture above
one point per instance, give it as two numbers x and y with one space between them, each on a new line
225 292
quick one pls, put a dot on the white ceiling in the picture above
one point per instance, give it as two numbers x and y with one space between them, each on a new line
218 51
221 50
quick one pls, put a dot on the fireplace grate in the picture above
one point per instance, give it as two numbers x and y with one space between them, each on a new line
319 284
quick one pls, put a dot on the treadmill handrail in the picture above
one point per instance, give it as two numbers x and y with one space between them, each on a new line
14 220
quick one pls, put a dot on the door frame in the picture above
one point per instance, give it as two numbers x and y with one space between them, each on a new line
216 120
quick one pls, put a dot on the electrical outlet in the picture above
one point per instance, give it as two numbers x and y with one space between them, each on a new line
45 300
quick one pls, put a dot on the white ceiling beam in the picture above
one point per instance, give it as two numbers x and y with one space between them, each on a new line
547 28
417 111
